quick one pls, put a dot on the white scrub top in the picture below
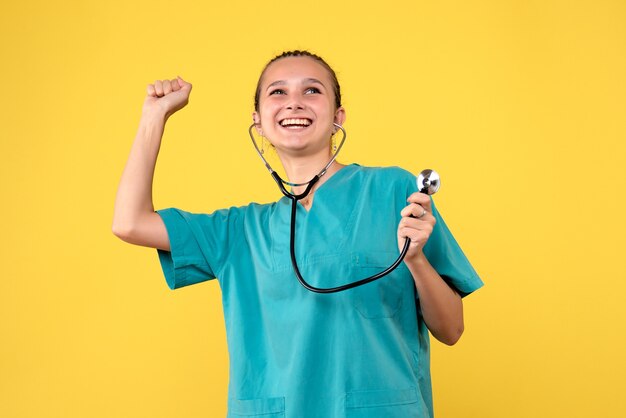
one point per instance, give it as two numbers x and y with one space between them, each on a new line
359 353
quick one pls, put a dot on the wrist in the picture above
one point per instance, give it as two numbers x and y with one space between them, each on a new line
154 116
417 261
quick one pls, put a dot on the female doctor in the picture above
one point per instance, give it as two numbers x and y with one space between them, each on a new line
362 352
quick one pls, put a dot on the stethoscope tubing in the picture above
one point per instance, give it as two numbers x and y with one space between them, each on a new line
294 205
306 285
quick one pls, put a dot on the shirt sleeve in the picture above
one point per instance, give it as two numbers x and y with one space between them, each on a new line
446 256
199 244
444 253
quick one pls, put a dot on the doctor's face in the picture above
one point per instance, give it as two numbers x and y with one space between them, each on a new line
297 106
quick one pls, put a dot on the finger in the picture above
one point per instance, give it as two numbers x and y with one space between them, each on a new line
167 87
158 86
151 91
422 229
184 84
175 84
416 237
413 209
421 199
417 224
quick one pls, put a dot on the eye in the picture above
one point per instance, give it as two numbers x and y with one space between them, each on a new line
312 90
277 91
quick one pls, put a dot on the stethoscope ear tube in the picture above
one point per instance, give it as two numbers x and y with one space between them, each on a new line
282 182
294 197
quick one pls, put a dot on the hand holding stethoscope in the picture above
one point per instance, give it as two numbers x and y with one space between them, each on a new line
417 224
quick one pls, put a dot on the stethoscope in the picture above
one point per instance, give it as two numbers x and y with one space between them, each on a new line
428 182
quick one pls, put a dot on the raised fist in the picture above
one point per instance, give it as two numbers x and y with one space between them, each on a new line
166 97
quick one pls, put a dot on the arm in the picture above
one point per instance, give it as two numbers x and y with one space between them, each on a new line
442 307
134 219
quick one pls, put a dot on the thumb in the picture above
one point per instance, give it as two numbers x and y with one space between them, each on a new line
183 84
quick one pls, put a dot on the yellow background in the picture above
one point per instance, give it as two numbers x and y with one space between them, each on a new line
520 105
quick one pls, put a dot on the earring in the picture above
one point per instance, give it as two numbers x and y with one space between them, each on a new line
334 146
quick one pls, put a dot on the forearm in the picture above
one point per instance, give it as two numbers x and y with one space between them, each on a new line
134 193
442 308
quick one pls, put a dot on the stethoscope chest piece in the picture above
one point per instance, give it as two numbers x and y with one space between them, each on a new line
428 182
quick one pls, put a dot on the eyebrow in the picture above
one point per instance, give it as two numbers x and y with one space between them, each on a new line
305 81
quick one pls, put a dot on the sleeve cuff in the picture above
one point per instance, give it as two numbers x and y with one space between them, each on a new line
176 265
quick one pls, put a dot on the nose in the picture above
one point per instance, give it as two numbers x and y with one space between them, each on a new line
295 103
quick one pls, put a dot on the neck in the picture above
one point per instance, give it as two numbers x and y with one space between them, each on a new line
302 169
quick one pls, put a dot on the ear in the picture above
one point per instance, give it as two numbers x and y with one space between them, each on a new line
257 122
340 116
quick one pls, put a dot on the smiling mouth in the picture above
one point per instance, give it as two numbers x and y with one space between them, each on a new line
295 123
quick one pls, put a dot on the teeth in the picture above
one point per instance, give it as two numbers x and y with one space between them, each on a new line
299 122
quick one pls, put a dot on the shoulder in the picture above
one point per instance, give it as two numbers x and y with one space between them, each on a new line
251 211
388 176
384 171
233 213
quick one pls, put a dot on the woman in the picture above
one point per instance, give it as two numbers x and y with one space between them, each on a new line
363 352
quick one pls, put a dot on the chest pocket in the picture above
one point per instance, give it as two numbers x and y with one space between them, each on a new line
382 298
265 408
385 403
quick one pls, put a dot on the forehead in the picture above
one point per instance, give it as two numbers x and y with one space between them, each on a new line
295 69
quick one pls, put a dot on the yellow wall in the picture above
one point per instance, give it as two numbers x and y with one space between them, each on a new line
520 105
